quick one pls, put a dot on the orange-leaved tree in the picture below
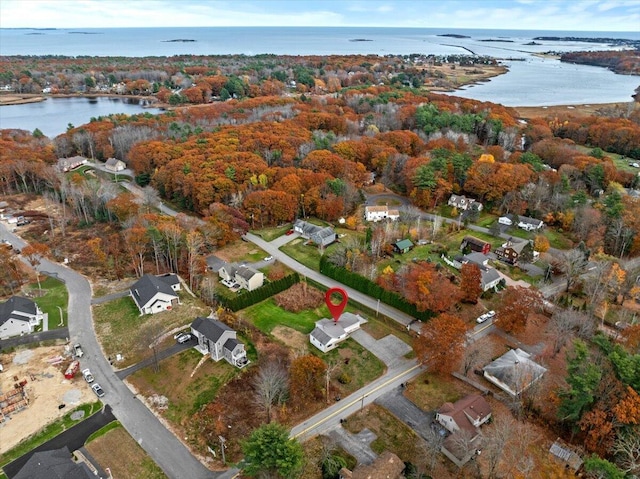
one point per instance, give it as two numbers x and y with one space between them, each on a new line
306 379
517 304
34 253
441 343
470 283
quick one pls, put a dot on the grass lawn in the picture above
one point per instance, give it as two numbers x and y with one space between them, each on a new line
55 294
557 239
392 434
49 432
186 394
362 368
269 234
118 451
267 315
429 392
621 162
122 330
308 255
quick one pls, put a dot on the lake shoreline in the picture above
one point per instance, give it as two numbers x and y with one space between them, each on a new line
11 98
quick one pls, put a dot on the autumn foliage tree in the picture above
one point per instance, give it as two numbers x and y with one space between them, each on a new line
429 289
517 304
470 283
306 379
35 253
441 343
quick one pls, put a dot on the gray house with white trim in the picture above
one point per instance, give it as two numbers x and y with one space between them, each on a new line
322 236
219 341
153 294
19 316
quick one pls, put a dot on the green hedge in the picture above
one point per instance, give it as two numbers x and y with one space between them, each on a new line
371 289
249 298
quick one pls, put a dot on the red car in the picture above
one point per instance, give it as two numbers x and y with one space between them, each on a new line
290 232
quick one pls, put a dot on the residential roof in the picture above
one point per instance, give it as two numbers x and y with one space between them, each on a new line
530 221
386 466
517 246
17 303
478 259
465 411
573 460
489 275
306 227
515 369
330 329
210 328
113 162
230 344
404 244
246 272
322 337
148 286
474 240
55 464
169 278
325 232
376 209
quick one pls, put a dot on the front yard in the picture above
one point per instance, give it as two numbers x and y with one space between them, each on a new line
121 329
54 296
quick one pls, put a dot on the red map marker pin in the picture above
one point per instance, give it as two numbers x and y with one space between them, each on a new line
336 309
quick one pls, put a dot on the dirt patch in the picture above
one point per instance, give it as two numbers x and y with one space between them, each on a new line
14 99
46 389
118 451
295 340
236 251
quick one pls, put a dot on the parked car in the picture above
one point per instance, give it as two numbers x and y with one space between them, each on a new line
491 314
86 374
77 350
269 258
482 318
183 337
290 232
98 390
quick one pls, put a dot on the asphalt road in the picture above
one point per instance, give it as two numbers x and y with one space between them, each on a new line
162 446
74 438
60 333
164 354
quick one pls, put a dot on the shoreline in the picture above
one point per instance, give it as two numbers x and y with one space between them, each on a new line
575 109
11 98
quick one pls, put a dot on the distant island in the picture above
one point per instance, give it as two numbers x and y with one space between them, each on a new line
453 35
610 41
533 43
180 40
360 40
85 33
497 40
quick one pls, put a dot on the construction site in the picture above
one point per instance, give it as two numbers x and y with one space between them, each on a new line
35 392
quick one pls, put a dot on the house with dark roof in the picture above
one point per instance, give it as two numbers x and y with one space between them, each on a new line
153 294
463 420
511 251
529 224
473 244
403 246
19 316
249 278
321 236
489 277
219 341
514 372
115 165
386 466
55 464
329 333
462 203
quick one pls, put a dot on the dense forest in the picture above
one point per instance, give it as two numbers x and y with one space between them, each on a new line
624 62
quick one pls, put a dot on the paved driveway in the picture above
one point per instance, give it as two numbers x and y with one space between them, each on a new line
60 333
390 350
402 408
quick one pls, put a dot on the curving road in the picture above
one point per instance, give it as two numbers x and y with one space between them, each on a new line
162 446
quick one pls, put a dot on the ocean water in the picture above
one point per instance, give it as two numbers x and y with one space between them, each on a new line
531 80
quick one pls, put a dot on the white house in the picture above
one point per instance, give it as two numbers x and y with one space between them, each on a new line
153 294
505 220
68 164
462 203
19 316
380 213
329 333
530 224
514 371
218 340
113 164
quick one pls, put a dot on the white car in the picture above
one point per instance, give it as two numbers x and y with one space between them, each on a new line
98 390
269 258
183 337
86 374
482 318
77 350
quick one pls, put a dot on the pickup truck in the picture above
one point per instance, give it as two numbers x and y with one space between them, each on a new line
86 374
77 350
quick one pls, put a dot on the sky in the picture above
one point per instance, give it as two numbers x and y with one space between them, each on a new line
567 15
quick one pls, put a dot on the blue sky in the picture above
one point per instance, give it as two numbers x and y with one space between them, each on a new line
568 15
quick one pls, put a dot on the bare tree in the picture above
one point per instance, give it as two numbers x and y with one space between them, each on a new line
194 242
471 354
271 387
627 452
150 198
496 437
573 264
431 447
563 323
